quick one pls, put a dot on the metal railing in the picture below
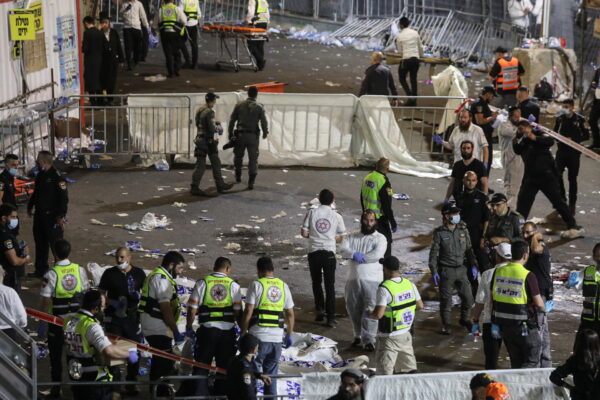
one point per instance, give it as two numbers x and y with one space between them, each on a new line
18 363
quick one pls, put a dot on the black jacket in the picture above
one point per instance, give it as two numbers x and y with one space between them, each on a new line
113 51
50 195
241 379
529 107
573 128
7 187
536 156
378 81
587 383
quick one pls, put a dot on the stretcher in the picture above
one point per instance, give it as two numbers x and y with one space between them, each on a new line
23 190
240 36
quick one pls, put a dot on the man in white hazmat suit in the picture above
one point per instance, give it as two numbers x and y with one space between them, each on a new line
512 163
365 273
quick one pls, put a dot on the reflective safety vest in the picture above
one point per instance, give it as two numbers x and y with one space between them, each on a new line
509 294
269 311
217 305
591 294
83 360
150 305
400 312
67 293
262 11
168 14
191 9
508 78
371 186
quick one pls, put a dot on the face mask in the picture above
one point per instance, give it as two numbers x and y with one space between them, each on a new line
13 223
455 219
563 111
13 171
466 156
123 265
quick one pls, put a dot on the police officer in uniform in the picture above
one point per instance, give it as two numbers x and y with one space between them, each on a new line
88 348
258 16
191 9
243 130
241 372
376 195
207 144
269 304
62 288
515 298
171 22
12 256
396 305
122 285
505 223
451 246
7 180
506 75
48 206
590 316
217 301
160 310
484 118
527 105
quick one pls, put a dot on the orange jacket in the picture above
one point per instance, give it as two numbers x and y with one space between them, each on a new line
508 78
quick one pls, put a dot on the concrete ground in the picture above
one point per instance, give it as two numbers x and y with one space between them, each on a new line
104 193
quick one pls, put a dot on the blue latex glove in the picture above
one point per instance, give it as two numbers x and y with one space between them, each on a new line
359 257
179 338
133 356
531 118
474 272
288 341
549 305
438 139
446 202
42 329
485 164
496 332
436 279
475 329
573 279
394 229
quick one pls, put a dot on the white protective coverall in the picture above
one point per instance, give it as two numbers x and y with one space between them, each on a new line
512 163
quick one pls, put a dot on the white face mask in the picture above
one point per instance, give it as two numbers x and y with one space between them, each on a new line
253 355
123 265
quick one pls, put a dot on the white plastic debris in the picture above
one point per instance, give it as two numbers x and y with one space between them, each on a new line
122 215
155 78
279 215
233 246
149 222
178 205
97 222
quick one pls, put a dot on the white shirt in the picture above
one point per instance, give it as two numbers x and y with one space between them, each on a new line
323 225
408 44
506 132
134 16
516 11
252 11
267 333
373 246
181 18
50 278
197 297
474 134
160 289
11 307
384 297
484 295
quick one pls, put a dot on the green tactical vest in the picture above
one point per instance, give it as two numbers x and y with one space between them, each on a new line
67 293
262 11
509 294
591 294
400 313
269 311
150 305
217 305
371 186
191 9
168 13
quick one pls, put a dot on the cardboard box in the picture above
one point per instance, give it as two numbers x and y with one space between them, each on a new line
67 126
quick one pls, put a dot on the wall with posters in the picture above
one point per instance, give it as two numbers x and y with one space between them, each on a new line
55 47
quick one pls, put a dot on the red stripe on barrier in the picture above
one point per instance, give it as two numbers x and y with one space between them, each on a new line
52 319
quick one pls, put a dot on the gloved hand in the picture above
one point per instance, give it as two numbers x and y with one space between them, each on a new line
179 338
549 305
359 257
288 341
475 329
133 356
436 279
394 229
446 202
496 332
42 330
485 164
474 272
573 279
531 118
438 139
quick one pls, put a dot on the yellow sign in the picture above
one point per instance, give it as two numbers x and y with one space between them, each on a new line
22 25
39 18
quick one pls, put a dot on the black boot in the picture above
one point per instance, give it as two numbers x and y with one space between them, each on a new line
238 175
251 181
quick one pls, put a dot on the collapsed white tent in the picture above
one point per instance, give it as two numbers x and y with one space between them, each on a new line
318 130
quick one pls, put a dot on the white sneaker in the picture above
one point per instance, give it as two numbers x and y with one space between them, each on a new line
572 233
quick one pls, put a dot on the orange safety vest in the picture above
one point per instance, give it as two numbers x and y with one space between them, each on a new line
508 78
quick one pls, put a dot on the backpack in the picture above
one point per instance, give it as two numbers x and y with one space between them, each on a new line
543 90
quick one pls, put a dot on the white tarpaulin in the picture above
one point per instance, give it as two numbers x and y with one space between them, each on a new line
450 82
321 130
530 384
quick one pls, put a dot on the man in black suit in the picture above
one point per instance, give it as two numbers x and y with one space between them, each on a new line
378 78
112 57
93 50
